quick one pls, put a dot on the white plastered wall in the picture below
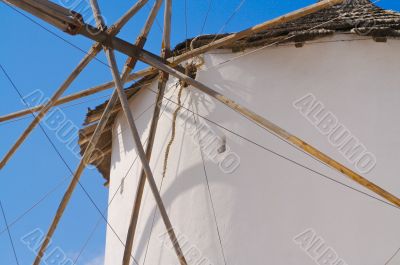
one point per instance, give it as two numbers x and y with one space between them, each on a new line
267 200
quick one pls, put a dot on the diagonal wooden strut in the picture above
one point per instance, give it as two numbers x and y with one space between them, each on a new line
71 97
138 144
86 156
214 45
166 49
94 50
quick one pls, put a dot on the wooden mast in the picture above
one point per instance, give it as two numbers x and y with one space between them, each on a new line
87 153
166 49
136 137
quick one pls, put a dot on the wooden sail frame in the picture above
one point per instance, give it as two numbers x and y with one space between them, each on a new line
163 78
136 52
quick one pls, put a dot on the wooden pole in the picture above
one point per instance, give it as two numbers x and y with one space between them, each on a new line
245 33
145 162
94 50
37 9
217 44
75 180
78 95
166 48
63 100
136 138
87 156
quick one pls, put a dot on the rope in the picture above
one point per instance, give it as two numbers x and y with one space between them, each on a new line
173 132
155 210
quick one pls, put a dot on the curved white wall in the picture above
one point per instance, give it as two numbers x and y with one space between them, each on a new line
267 200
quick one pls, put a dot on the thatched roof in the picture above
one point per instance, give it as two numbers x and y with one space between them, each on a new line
354 16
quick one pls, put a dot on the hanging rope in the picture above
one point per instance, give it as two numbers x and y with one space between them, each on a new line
190 70
173 132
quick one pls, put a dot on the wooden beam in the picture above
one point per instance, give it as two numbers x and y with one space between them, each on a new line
44 12
214 45
131 122
86 158
145 163
75 180
242 34
166 48
94 50
63 100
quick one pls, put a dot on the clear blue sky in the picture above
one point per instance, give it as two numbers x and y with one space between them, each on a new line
35 59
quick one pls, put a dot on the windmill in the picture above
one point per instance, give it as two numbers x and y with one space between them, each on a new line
180 68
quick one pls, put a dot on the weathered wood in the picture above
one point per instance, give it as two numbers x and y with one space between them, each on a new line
66 99
77 174
131 122
217 44
145 163
245 33
94 50
166 40
242 34
86 158
153 129
41 11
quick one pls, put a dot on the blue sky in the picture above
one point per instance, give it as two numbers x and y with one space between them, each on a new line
36 59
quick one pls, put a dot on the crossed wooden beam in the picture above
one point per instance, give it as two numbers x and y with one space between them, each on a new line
72 23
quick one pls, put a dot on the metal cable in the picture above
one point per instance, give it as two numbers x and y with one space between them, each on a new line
155 212
281 40
125 176
392 257
206 16
208 187
42 199
64 161
237 9
287 158
9 233
53 33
